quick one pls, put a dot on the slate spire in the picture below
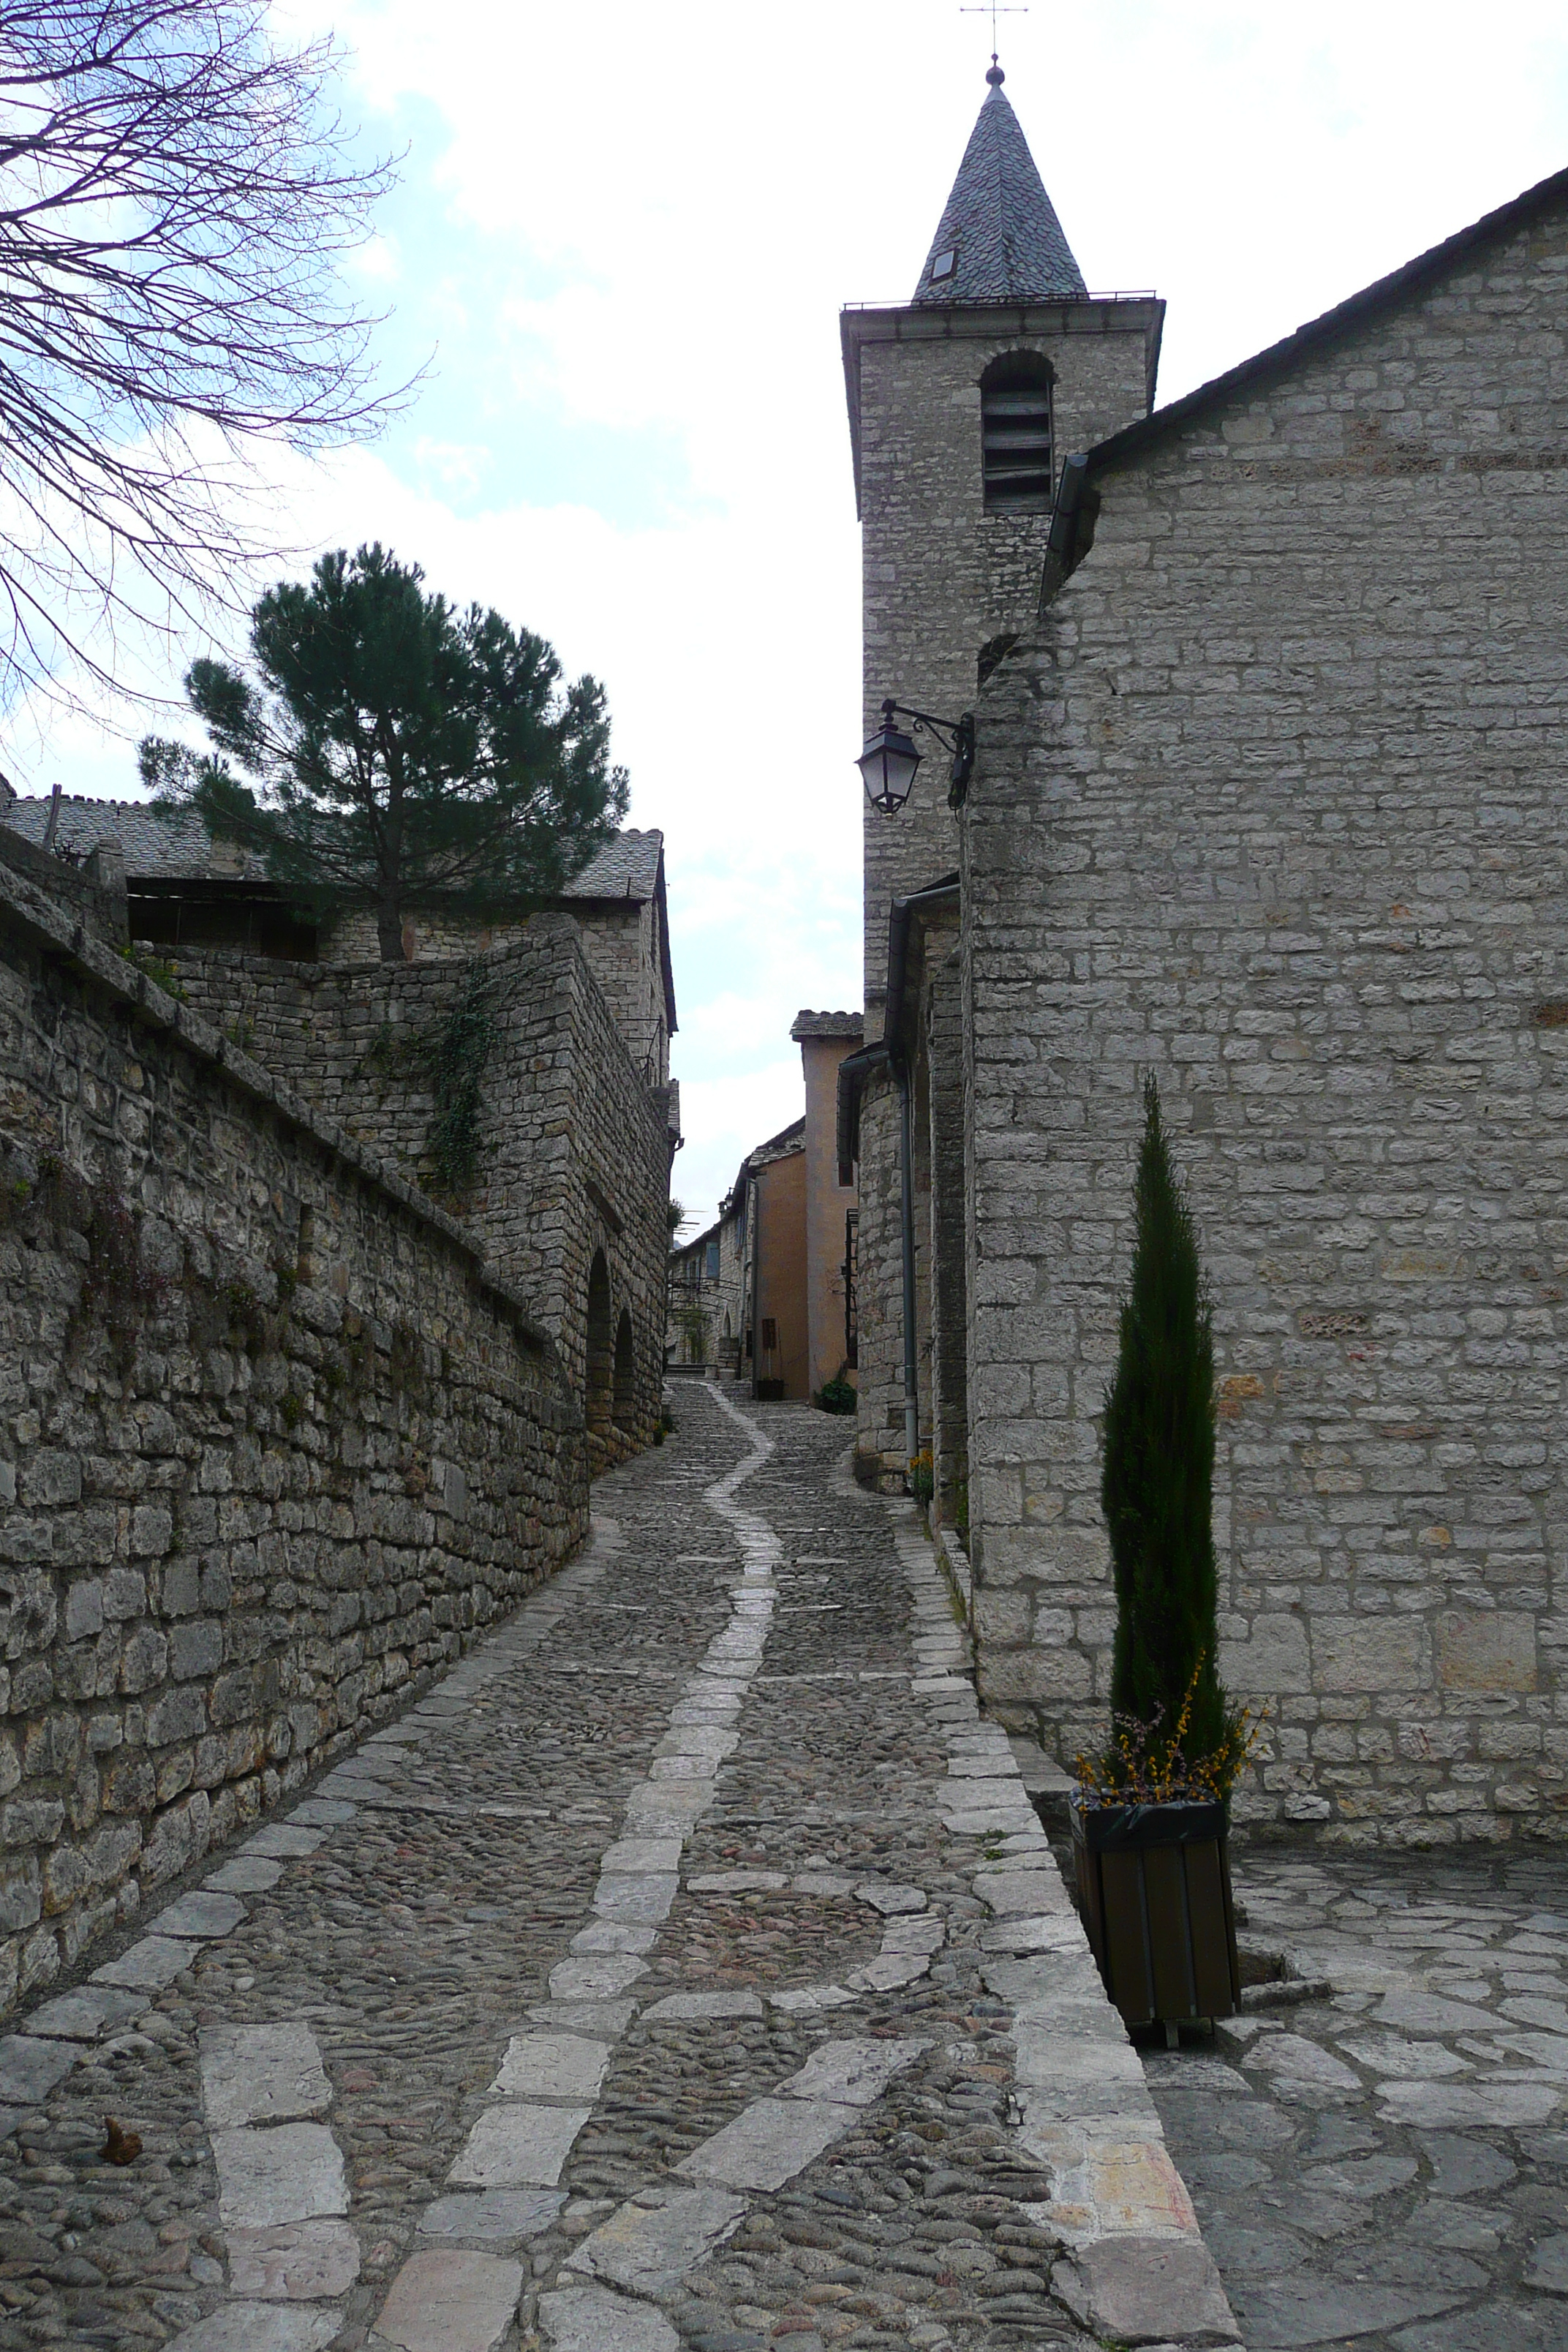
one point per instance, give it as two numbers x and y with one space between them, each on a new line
1000 241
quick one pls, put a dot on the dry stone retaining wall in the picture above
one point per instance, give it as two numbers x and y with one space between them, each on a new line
1273 806
272 1446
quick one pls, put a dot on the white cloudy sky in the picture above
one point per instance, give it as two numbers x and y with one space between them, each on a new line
623 231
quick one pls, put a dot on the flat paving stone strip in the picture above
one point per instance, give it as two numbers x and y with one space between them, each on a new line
688 1969
1386 2166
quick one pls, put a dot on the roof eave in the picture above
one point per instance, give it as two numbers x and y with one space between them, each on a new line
1277 358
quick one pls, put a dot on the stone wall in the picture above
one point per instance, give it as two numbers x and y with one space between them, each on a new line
881 1456
621 939
941 577
624 949
946 1403
1274 807
574 1149
274 1444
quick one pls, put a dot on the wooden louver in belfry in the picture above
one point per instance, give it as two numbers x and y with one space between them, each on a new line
1015 423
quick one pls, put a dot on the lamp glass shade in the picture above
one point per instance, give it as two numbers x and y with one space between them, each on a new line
888 766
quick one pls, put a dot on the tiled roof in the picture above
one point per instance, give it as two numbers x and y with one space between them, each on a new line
626 867
1000 228
153 843
827 1024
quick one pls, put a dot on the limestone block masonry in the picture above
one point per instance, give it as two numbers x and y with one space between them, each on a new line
274 1443
1272 805
942 576
944 579
573 1146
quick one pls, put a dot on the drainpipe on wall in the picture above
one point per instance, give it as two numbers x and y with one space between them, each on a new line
899 916
755 1215
907 1221
853 1072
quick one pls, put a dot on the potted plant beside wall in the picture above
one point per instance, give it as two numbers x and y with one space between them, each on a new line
1150 1818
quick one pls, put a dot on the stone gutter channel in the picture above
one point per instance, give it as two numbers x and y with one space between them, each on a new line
1132 2269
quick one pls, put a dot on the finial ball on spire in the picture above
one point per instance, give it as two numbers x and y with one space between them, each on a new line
995 75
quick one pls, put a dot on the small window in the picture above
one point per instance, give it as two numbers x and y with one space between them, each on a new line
714 1261
1016 434
945 264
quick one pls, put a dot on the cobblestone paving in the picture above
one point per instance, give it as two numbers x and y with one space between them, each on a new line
628 1993
1387 2168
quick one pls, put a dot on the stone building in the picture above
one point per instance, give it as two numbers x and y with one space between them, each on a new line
1268 803
188 893
575 1118
700 1324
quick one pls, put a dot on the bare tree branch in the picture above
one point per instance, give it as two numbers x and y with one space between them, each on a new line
176 201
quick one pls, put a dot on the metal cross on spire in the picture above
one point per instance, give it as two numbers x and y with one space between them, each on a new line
993 9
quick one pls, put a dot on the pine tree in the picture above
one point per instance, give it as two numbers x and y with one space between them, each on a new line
1156 1489
399 752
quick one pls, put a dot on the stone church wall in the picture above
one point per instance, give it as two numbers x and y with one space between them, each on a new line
573 1152
275 1445
1274 806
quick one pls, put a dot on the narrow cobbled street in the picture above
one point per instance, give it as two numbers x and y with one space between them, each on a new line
625 1992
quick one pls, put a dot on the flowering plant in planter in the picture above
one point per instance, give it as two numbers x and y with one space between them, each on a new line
1144 1764
1150 1820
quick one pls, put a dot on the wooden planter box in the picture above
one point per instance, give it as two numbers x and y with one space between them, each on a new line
1153 1886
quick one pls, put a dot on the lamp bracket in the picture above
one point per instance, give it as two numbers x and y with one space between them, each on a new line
955 736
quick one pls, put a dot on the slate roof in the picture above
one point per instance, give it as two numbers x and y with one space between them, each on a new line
1000 226
779 1147
175 847
782 1146
626 867
154 845
827 1024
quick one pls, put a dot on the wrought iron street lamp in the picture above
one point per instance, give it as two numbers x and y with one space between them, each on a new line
888 763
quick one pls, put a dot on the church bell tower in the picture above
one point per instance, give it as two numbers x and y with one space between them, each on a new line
961 405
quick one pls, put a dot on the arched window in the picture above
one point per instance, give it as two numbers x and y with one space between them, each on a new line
1016 434
626 1373
598 1403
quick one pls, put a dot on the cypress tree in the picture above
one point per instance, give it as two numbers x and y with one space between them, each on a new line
1157 1489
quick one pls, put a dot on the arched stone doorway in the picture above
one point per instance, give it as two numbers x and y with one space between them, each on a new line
599 1396
626 1373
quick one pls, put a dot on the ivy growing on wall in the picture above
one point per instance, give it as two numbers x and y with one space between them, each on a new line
450 1057
456 1054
